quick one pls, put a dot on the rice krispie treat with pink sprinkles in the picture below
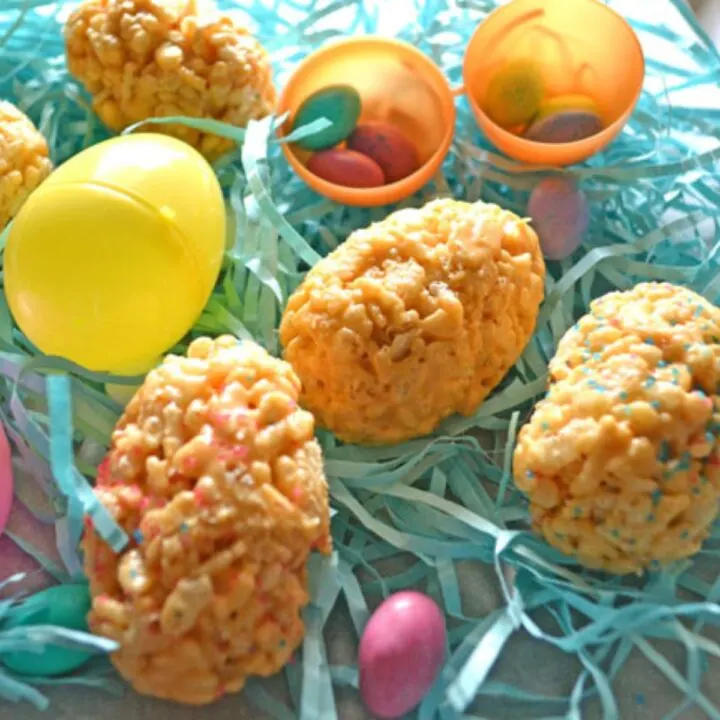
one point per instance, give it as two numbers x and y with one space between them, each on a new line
214 473
620 461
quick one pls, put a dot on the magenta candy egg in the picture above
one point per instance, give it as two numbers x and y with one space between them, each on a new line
347 168
560 215
402 650
6 479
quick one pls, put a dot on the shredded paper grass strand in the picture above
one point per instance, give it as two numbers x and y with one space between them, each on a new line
440 514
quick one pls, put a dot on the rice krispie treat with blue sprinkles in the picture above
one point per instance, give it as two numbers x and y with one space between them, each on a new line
620 461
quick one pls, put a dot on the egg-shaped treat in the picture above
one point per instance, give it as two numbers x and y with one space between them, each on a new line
414 318
620 460
214 473
24 161
156 58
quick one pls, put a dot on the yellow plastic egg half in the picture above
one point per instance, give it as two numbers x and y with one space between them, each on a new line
112 259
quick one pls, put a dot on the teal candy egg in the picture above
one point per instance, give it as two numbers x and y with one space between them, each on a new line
64 605
340 104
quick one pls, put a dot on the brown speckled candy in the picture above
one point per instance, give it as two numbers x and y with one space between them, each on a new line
347 168
388 147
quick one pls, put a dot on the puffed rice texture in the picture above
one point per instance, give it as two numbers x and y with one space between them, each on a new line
24 161
156 58
413 319
620 460
214 473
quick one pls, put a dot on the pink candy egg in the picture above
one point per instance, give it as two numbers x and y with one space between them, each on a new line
6 479
347 168
388 147
560 216
401 653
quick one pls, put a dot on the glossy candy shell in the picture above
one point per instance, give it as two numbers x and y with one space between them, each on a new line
514 94
388 147
6 479
560 215
63 605
565 127
340 104
347 168
401 652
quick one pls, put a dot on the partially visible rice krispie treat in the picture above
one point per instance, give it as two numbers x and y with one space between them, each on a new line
24 161
155 58
215 474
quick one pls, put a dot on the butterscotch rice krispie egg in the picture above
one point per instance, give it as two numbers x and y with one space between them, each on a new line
214 473
24 161
620 460
155 58
413 319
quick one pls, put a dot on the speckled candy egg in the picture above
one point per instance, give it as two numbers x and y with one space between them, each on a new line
340 105
560 216
565 126
388 147
401 653
63 605
347 168
514 93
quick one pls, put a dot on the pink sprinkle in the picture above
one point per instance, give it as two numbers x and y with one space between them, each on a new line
199 496
240 452
190 463
297 492
145 503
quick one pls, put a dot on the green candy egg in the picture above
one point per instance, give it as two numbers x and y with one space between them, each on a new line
340 104
64 605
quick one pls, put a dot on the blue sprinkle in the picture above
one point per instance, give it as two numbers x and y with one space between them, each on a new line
650 517
684 463
650 382
649 341
686 346
662 364
698 311
184 527
545 426
664 451
529 474
696 491
684 535
597 356
282 643
624 395
699 392
656 496
639 697
138 537
656 404
577 512
615 533
709 437
133 574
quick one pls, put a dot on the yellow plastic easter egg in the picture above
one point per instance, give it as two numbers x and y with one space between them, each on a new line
112 259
